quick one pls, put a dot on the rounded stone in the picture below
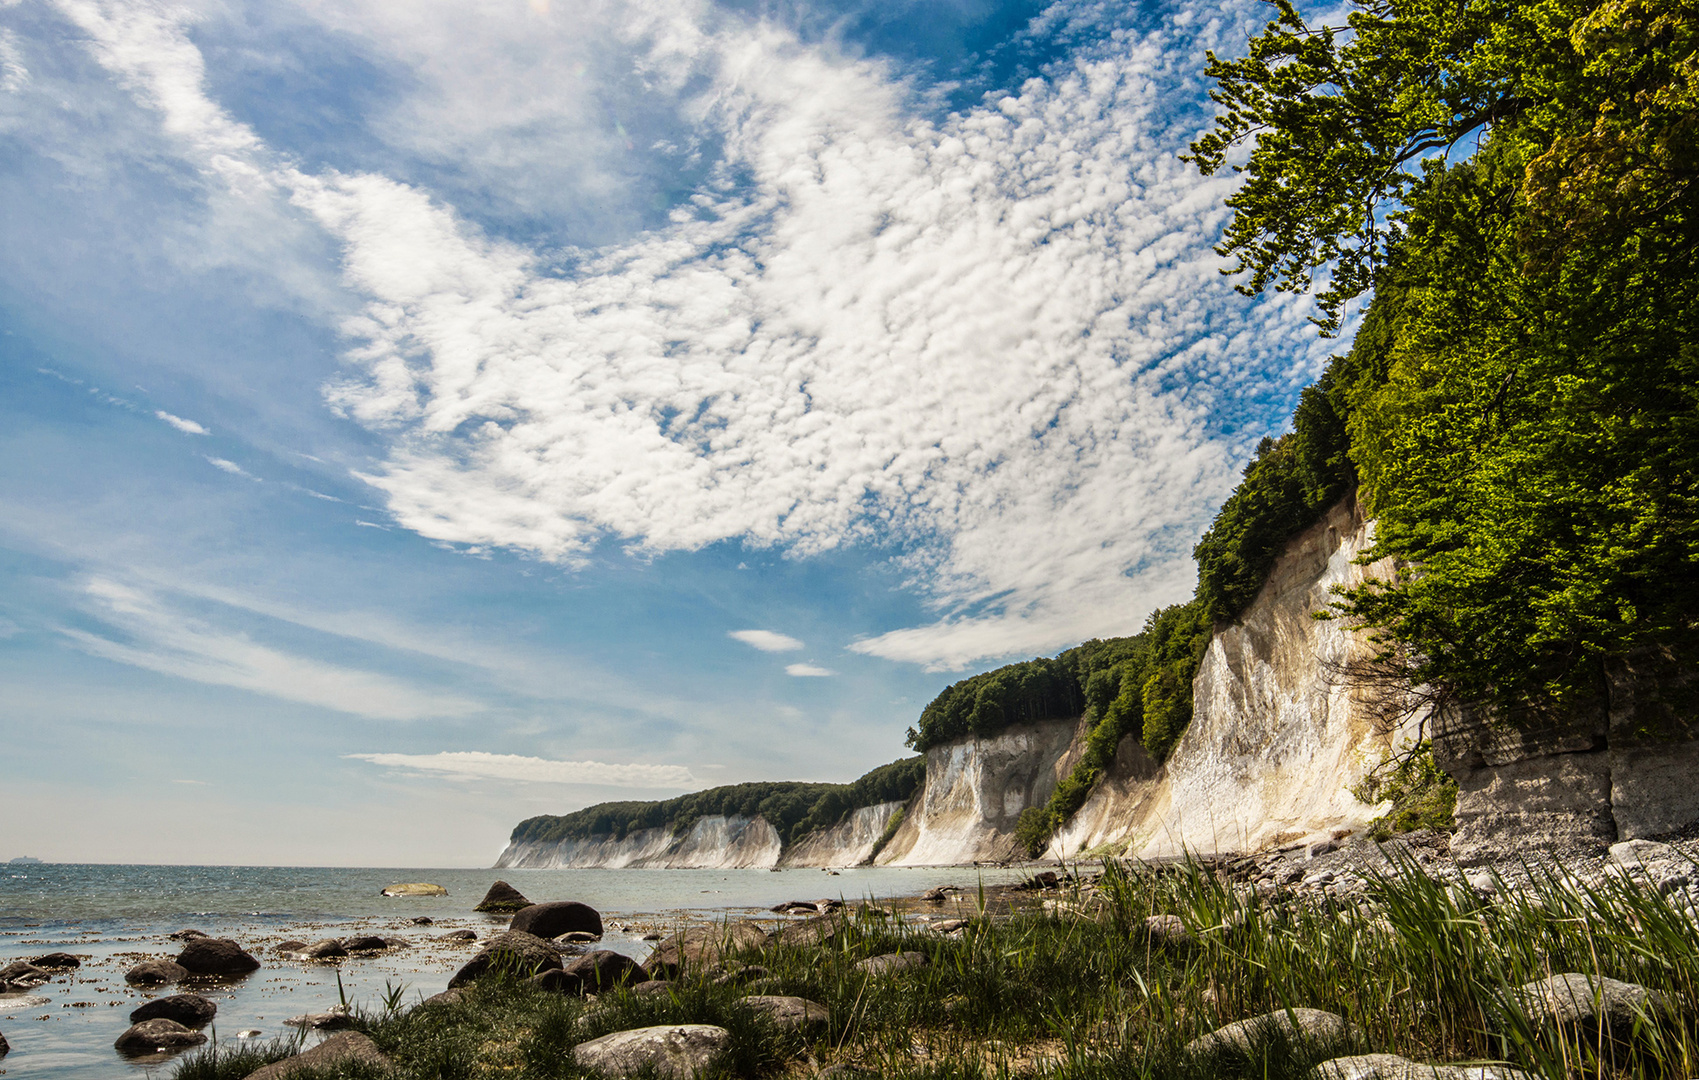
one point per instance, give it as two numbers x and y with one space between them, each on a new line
556 918
157 1034
190 1010
156 973
215 956
672 1051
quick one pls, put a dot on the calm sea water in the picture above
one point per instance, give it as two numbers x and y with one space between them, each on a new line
115 916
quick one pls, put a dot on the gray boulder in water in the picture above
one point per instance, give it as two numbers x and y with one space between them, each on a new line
215 956
156 973
519 953
556 918
190 1010
157 1034
501 899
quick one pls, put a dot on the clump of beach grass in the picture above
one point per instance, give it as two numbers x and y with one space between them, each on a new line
1418 967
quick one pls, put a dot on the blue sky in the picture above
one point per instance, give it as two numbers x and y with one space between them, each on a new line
415 417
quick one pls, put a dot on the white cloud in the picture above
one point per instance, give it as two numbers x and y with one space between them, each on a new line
808 671
766 640
997 339
167 641
228 466
187 427
476 765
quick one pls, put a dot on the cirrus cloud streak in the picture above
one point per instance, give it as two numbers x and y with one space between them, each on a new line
478 765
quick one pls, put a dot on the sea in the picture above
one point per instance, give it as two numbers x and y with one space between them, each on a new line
112 917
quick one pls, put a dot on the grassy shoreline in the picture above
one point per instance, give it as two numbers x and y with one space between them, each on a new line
1080 986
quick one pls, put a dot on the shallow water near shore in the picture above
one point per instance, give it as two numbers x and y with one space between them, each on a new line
112 917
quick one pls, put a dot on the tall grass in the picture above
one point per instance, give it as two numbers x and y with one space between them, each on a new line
1420 968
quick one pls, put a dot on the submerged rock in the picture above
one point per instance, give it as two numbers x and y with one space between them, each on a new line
674 1051
22 975
1321 1030
350 1047
501 899
215 956
185 935
150 1036
328 949
369 943
190 1010
156 973
556 918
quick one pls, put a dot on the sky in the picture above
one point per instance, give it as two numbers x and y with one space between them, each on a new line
415 417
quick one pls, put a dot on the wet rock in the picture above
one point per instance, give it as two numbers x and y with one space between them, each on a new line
605 969
365 944
5 1047
556 918
891 963
523 954
190 1010
185 935
673 1051
459 935
151 1036
396 943
156 973
332 1019
501 899
328 949
215 956
788 1012
701 946
576 937
938 895
1167 930
794 907
249 1033
350 1047
415 888
1393 1067
1321 1030
827 904
22 975
290 946
57 961
422 920
1574 1000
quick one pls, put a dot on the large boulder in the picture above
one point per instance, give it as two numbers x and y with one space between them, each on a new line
673 1051
1393 1067
605 969
788 1012
5 1047
157 1034
514 951
156 973
501 899
556 918
1590 1003
328 949
820 930
701 946
57 961
891 963
22 974
415 888
190 1010
365 943
350 1047
215 956
1318 1030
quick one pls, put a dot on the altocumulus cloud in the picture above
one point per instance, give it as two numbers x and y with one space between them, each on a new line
808 671
187 427
766 640
996 340
477 765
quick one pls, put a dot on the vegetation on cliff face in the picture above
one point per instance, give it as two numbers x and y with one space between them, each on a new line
792 808
1515 182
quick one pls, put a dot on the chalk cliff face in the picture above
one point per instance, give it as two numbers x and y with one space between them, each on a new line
715 843
1278 736
975 789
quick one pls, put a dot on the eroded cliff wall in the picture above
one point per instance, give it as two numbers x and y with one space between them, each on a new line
1280 732
713 843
